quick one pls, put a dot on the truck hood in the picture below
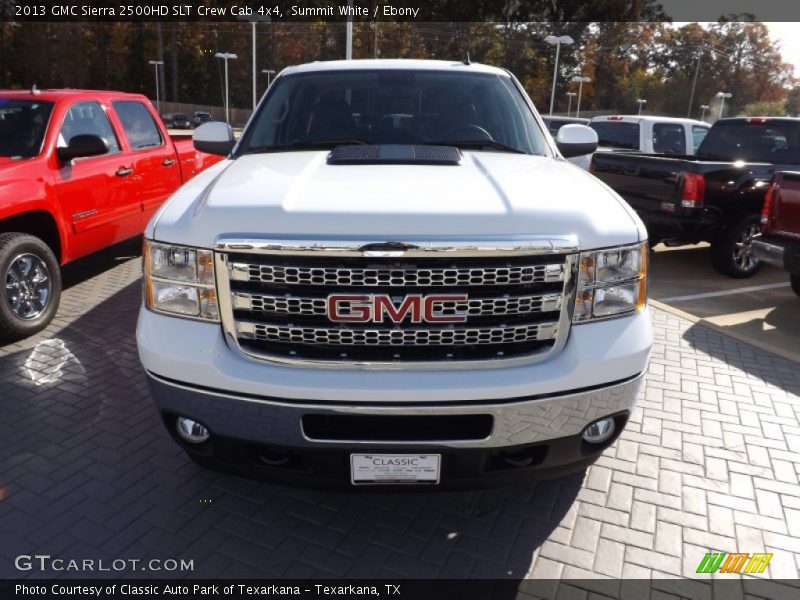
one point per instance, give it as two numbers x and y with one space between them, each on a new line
300 195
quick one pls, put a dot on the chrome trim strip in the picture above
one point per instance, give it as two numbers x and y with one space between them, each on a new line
468 247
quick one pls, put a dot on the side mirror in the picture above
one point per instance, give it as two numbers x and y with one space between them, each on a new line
80 146
214 138
576 140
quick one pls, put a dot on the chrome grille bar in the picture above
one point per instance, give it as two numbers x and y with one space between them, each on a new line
332 276
299 305
396 337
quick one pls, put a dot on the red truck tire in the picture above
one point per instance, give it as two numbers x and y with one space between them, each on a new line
31 285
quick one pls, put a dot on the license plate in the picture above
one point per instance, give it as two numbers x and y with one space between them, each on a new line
395 468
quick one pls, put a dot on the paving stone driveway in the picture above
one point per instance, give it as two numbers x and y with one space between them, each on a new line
709 462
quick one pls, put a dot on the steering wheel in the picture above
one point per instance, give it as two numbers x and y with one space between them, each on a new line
466 132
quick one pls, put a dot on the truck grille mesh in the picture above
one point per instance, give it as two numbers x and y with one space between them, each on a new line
276 306
396 277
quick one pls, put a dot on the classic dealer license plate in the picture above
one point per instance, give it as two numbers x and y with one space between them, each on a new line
395 468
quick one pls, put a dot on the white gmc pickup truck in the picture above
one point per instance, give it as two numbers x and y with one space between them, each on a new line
395 277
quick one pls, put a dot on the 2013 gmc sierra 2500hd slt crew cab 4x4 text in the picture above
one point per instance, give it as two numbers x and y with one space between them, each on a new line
79 171
395 278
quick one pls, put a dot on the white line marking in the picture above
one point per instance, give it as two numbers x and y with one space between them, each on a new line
744 290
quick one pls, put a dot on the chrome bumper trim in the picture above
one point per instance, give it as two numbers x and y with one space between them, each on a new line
278 422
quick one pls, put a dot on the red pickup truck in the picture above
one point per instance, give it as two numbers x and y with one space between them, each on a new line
779 242
79 171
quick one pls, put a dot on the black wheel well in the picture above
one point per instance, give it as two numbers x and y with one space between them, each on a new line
36 222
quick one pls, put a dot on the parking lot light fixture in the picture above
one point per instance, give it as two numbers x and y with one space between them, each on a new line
557 41
156 63
226 56
722 96
269 73
569 101
580 80
641 102
703 108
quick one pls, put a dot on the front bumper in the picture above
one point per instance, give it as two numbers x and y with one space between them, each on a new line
778 252
270 438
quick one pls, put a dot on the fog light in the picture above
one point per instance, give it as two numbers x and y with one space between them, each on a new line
191 431
599 431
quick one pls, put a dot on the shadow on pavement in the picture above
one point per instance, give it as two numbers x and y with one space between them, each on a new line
87 471
756 363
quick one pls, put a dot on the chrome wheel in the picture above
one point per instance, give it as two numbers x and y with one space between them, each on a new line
743 248
28 286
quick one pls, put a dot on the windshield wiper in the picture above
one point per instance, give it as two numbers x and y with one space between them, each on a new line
306 145
477 144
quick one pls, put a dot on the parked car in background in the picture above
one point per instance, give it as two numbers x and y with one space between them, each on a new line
651 135
395 278
779 242
201 117
79 171
556 123
715 196
181 121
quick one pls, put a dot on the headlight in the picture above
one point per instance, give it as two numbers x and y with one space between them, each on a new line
611 283
179 281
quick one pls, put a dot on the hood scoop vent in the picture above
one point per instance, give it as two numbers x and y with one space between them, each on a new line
394 154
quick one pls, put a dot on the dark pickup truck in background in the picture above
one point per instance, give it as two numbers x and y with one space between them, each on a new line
715 196
779 242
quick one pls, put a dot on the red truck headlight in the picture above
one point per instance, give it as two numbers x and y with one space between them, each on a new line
611 283
179 281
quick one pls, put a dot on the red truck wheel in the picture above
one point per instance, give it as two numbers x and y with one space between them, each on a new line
31 285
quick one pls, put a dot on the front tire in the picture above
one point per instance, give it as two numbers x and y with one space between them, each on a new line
31 279
732 254
795 281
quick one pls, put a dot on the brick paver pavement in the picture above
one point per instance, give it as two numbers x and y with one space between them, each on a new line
708 462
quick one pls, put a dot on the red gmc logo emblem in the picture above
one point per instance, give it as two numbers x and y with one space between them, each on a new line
365 308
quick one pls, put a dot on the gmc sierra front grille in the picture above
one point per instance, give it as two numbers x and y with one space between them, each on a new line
312 305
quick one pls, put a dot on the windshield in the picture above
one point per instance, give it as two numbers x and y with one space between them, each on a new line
617 134
323 109
765 141
23 124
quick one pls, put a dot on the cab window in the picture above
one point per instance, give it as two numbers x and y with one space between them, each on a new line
88 118
669 138
138 124
698 135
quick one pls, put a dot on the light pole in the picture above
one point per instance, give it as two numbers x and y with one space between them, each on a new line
226 56
569 101
640 102
557 40
348 52
155 63
722 96
269 73
704 108
580 80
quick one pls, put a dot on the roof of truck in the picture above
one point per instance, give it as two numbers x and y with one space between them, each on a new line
640 118
54 95
393 63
